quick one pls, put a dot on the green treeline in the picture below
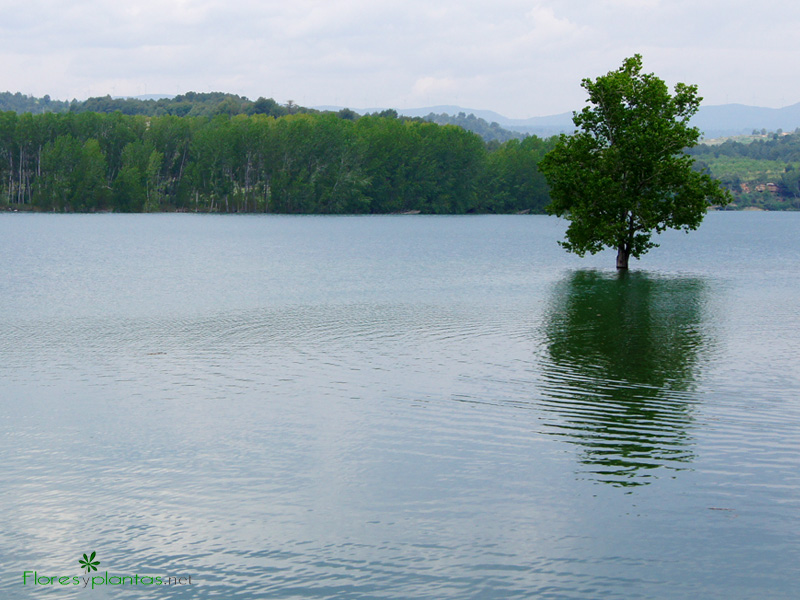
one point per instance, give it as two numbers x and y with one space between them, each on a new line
190 104
211 104
297 163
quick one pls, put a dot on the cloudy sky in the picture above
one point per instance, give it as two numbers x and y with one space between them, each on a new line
521 58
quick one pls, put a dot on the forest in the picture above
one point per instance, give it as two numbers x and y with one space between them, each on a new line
190 104
761 170
218 152
291 162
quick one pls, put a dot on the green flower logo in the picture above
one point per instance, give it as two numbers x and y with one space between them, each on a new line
89 563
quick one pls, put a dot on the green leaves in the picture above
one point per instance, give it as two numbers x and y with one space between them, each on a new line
299 163
624 174
88 563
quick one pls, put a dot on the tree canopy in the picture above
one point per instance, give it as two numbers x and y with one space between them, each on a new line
297 163
625 174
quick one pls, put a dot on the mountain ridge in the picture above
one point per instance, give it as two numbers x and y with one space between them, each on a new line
712 120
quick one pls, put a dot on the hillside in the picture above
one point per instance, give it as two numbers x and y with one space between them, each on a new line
761 171
488 131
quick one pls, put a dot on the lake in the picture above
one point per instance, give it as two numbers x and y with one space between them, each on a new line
396 407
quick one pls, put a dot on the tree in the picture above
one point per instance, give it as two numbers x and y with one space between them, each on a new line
61 160
91 190
624 174
512 181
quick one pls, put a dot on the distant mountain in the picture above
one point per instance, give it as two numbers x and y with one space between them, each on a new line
488 131
738 119
487 115
541 126
713 121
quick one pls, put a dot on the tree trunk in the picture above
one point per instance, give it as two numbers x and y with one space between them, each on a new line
623 253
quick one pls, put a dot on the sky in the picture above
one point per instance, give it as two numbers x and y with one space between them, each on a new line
520 58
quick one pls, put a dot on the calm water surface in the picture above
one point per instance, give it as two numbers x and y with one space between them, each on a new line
398 407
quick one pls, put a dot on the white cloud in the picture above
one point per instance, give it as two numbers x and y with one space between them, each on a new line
548 27
519 57
427 85
632 4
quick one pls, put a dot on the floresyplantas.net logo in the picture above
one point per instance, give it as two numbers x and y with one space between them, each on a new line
88 563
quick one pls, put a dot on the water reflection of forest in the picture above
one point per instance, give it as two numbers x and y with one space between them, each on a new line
621 362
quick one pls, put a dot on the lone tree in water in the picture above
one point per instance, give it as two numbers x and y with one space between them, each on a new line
624 173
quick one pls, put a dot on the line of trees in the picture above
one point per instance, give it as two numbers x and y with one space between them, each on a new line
190 104
211 104
297 163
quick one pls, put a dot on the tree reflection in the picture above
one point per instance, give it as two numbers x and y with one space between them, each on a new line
622 360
